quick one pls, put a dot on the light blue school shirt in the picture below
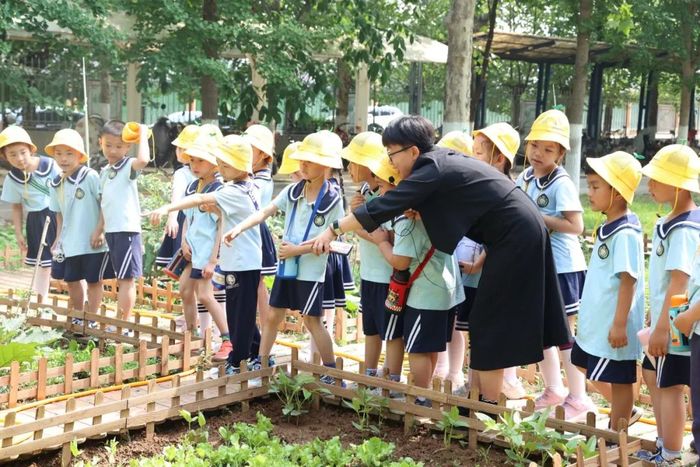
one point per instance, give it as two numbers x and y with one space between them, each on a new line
694 286
202 226
77 199
263 180
120 197
311 267
182 178
553 195
31 190
468 250
619 248
373 265
237 201
674 244
439 285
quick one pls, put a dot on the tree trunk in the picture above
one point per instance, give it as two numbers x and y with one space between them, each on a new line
481 78
687 71
104 106
209 89
607 118
578 92
342 96
460 25
653 107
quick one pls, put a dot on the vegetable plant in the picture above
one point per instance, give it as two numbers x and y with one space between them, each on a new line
450 421
364 404
294 392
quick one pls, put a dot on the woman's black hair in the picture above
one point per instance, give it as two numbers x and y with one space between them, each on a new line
412 130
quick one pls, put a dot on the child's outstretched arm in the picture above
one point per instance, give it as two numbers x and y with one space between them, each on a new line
381 238
17 218
187 202
251 221
571 223
658 341
617 336
143 156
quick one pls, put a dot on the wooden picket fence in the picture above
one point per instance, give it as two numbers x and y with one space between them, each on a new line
11 258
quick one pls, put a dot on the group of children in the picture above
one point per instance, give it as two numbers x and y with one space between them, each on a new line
217 243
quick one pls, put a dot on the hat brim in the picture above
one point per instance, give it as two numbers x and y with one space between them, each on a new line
235 163
49 150
611 178
510 155
256 143
288 167
199 154
355 157
664 176
547 136
326 161
8 143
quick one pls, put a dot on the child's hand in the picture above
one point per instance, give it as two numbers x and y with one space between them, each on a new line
97 239
356 201
208 207
231 235
186 251
208 270
684 323
466 267
172 227
411 213
157 214
617 337
21 241
658 342
287 250
379 236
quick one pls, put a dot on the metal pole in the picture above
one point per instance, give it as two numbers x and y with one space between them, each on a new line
538 99
87 115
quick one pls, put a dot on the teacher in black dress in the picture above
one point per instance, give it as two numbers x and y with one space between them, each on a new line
518 309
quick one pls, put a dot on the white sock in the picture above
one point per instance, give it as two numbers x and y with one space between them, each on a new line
511 375
220 296
204 319
455 354
442 367
551 369
575 378
42 281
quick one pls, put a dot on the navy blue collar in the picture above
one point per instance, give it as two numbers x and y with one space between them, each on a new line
76 178
214 185
330 198
628 221
119 164
543 182
263 174
690 219
42 170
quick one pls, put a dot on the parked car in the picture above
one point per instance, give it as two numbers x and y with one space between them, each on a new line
378 117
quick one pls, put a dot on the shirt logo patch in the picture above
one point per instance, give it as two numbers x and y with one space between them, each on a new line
112 174
542 200
79 193
660 249
231 281
603 251
319 220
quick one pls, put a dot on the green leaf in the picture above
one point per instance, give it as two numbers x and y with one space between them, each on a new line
186 415
201 421
16 351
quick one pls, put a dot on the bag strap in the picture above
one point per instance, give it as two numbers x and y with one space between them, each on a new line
420 267
317 203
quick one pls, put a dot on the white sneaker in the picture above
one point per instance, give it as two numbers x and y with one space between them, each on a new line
513 390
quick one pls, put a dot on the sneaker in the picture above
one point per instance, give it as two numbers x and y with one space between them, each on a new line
462 391
424 402
646 455
513 390
255 363
660 460
232 370
77 322
222 354
636 415
549 398
575 408
327 379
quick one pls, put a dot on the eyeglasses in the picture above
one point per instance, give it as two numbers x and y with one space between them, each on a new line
391 154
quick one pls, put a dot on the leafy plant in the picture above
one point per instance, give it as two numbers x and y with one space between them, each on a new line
364 405
200 435
294 393
374 451
450 421
111 449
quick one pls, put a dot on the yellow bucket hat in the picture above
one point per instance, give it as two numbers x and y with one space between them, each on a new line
384 169
505 137
132 132
289 165
236 152
205 143
676 165
70 138
261 137
186 136
323 148
15 134
458 141
620 170
551 125
364 148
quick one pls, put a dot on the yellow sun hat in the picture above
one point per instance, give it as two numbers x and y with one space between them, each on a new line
384 169
186 136
15 134
235 151
323 148
261 137
205 143
289 165
364 148
551 125
70 138
505 137
458 141
676 165
132 132
620 170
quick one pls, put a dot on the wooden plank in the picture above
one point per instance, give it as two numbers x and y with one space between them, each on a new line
142 361
68 374
94 368
9 422
14 384
164 355
118 364
97 401
41 379
150 408
39 416
186 351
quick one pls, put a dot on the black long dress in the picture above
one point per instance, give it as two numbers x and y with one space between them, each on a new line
518 310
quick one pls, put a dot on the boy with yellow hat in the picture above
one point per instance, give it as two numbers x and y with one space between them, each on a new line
458 141
612 305
121 211
290 166
673 176
240 262
310 207
80 250
26 187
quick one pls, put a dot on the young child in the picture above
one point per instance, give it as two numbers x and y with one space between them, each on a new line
550 187
435 294
182 178
239 263
612 304
310 207
80 250
673 175
26 187
121 211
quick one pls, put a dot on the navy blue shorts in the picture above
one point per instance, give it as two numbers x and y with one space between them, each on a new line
376 320
571 285
34 229
671 370
269 255
604 369
333 287
170 245
427 330
93 267
348 278
305 296
125 253
465 308
196 274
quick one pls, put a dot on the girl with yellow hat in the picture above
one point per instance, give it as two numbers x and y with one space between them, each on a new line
497 145
290 166
556 197
673 177
310 207
26 187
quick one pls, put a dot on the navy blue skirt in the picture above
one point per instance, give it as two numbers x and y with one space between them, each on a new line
170 245
269 255
34 229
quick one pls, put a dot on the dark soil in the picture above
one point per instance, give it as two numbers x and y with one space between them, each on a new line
422 444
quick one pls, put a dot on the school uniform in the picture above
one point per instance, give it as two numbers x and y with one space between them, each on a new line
76 198
435 294
305 291
202 227
554 194
182 178
338 274
240 265
122 216
693 298
673 248
266 185
468 251
619 248
31 190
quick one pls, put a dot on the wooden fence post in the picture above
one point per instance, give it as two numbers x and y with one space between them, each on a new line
150 408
